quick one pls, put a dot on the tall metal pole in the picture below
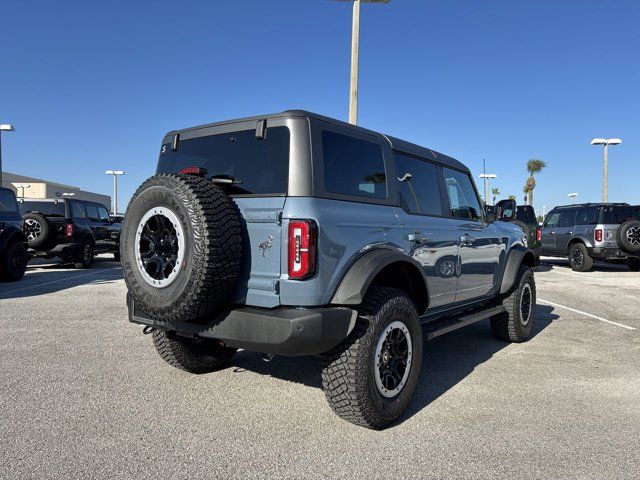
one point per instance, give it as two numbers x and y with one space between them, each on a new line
486 182
355 56
605 167
0 158
115 194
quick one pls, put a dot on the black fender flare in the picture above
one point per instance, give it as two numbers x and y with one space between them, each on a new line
518 254
11 234
358 279
90 236
581 238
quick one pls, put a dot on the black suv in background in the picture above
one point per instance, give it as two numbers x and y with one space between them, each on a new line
13 243
604 231
73 230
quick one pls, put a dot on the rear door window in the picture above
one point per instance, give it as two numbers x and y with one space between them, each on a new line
588 216
418 185
463 200
567 218
353 166
92 213
78 211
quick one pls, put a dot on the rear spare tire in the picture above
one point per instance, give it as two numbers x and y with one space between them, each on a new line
37 229
181 247
629 236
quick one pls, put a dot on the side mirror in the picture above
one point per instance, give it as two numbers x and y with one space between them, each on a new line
505 210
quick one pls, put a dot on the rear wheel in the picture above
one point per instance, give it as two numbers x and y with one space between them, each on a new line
516 324
369 379
199 355
13 262
84 256
579 258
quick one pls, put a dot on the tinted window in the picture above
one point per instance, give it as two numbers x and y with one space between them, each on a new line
92 213
104 214
77 210
51 209
526 214
615 215
261 165
418 185
588 216
353 166
552 219
462 196
567 218
8 201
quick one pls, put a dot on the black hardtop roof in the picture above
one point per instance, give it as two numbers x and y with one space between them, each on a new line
396 143
580 205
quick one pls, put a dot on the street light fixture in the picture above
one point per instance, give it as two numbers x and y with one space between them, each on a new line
355 57
605 163
487 177
116 174
3 128
572 196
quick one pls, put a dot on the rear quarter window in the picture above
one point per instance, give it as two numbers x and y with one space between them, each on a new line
353 166
8 202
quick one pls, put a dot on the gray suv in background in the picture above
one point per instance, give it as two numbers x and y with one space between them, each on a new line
297 234
603 231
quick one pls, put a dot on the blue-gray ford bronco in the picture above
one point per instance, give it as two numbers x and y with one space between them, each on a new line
298 234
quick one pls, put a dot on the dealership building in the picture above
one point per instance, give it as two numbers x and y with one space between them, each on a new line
30 187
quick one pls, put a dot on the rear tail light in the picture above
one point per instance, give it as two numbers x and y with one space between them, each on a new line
598 234
302 249
538 234
68 230
199 171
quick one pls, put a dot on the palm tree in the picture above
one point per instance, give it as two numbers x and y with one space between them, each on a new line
512 197
533 166
495 191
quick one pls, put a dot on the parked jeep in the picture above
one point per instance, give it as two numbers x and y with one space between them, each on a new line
603 231
297 234
73 230
13 243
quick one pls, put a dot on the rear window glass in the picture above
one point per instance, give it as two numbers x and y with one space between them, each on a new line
8 202
50 209
616 215
353 166
588 216
526 215
259 166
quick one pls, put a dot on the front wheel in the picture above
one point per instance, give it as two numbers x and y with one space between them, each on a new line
369 379
199 355
516 323
13 262
579 258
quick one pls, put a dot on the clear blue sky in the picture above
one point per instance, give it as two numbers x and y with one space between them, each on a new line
95 85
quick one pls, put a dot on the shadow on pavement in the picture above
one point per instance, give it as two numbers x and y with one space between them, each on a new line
447 360
549 264
42 279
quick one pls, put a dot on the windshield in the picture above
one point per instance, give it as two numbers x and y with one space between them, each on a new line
50 209
257 166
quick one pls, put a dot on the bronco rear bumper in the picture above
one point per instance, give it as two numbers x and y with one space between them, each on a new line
279 331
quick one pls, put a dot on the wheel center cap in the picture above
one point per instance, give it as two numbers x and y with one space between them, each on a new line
386 356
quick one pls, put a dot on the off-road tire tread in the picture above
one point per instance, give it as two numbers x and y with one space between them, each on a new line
6 273
587 263
217 259
176 352
345 389
504 324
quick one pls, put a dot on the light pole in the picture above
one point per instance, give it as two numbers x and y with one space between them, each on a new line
3 128
355 58
116 174
605 163
572 196
487 177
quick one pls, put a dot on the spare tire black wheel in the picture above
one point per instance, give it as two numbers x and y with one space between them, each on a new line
37 229
181 248
629 236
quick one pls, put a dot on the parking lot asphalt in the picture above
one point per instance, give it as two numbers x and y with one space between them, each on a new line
84 395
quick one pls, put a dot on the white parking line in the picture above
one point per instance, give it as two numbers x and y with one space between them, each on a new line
586 314
66 279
